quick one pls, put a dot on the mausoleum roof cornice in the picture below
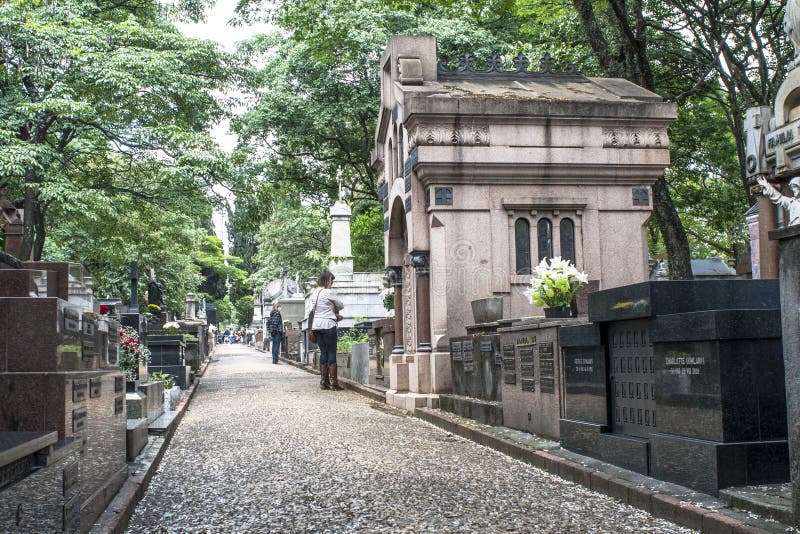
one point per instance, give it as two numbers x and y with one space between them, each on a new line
494 108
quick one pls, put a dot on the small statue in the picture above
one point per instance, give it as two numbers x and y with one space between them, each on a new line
792 203
155 292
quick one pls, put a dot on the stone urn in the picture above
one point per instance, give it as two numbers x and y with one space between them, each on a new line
487 310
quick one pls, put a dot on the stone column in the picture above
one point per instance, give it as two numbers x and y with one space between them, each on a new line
421 263
191 306
396 279
788 240
768 249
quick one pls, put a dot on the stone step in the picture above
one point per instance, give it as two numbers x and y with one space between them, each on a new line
768 500
163 424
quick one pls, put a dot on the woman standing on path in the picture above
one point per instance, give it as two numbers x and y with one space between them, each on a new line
275 324
326 314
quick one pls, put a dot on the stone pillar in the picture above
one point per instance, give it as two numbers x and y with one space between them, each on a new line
13 231
421 263
191 306
341 251
788 240
768 249
396 279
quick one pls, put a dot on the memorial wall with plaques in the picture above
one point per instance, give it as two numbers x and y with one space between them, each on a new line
59 374
683 381
532 376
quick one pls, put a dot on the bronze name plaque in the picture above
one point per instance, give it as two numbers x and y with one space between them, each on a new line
119 383
78 419
70 478
455 351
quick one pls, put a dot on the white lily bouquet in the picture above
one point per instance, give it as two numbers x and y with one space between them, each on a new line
555 283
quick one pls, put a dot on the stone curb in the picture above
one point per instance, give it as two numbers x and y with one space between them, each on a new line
658 504
115 518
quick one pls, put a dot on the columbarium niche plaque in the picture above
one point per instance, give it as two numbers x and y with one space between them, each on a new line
79 390
455 351
633 404
509 364
527 373
469 356
547 368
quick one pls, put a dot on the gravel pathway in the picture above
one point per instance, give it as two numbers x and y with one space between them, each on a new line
262 449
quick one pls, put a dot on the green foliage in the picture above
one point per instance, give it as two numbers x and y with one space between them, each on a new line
366 235
167 379
244 310
105 110
220 272
350 338
297 235
224 311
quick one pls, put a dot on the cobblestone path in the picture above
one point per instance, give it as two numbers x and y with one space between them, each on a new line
262 449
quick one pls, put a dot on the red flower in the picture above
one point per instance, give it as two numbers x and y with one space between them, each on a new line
104 309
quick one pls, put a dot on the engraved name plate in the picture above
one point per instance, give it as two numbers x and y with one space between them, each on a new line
79 390
78 419
528 384
95 387
455 351
119 383
72 514
546 367
119 405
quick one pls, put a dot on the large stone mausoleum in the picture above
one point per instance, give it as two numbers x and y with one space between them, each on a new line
483 173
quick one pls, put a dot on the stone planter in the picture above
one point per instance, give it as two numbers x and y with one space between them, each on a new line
171 398
558 312
487 310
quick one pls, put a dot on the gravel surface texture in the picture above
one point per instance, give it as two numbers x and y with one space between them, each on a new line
263 449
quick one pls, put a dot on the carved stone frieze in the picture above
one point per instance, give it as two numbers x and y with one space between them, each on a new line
447 134
408 313
635 138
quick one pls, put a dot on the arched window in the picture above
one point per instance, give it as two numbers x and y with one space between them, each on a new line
545 234
567 233
522 244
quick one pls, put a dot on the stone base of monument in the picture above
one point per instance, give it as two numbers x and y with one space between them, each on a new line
359 363
136 437
683 381
482 411
343 364
39 481
411 401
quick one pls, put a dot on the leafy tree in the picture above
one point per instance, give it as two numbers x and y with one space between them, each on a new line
244 310
296 236
366 235
101 100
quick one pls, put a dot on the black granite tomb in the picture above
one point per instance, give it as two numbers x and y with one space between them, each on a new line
680 380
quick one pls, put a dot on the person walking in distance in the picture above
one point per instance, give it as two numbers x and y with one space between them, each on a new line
275 324
327 306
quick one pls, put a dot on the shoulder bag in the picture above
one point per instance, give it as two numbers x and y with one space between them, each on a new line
311 335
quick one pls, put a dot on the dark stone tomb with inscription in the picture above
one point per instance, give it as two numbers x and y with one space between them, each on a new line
683 381
58 373
168 356
531 378
476 367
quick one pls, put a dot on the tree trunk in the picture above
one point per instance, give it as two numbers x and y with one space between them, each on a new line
680 264
38 244
28 228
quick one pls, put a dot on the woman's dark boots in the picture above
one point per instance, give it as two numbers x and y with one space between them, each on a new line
335 378
324 382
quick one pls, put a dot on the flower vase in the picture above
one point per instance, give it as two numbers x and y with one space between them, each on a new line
558 312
